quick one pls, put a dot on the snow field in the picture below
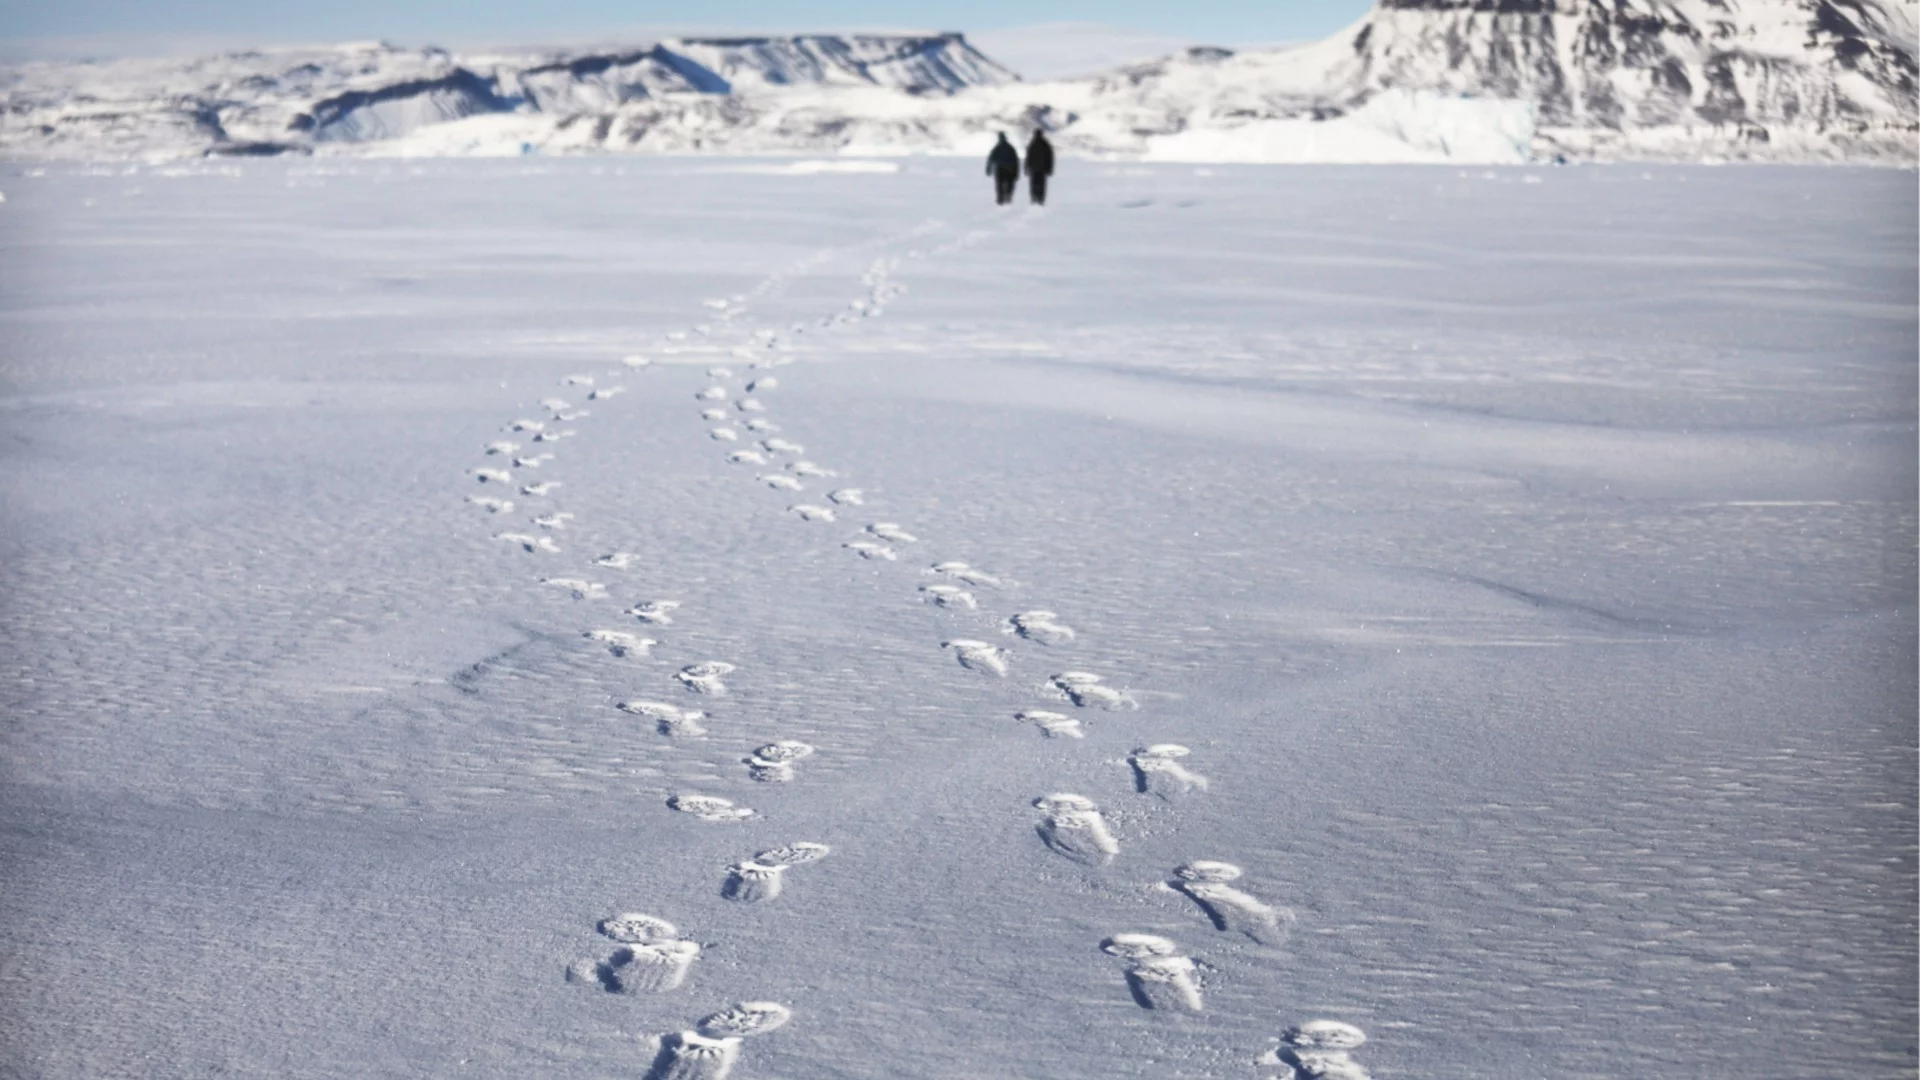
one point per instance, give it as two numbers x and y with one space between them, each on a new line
1541 683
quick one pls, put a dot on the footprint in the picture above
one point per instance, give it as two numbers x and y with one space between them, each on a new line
1074 828
635 361
1041 626
1052 724
784 483
1320 1050
761 427
619 560
962 572
765 382
1167 983
751 882
656 612
577 380
555 435
712 393
526 425
1158 976
531 461
750 405
978 656
773 763
581 588
669 719
722 434
543 488
746 457
711 1050
652 968
1084 690
606 392
761 878
810 512
796 854
713 415
570 417
868 550
709 807
530 543
554 404
781 446
704 677
848 497
719 373
492 476
808 468
622 644
1157 771
556 520
947 596
651 957
888 531
502 447
491 505
1205 882
634 928
1325 1035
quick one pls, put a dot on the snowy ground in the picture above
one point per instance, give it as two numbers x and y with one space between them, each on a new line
1526 558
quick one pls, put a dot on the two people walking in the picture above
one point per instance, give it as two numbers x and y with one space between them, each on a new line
1003 164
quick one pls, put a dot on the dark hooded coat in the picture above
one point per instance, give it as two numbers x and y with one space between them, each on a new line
1039 156
1004 158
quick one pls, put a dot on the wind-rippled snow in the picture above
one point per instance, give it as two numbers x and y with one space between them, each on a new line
1526 558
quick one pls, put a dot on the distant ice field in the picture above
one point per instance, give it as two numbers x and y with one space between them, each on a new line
1523 559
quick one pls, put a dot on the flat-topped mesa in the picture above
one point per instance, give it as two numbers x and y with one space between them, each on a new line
603 81
915 63
1503 7
918 63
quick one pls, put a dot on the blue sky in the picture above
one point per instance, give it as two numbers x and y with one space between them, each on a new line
469 21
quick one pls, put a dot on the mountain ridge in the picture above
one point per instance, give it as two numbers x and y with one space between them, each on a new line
1413 80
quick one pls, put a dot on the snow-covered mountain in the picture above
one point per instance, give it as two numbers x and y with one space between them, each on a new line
278 100
1817 77
1464 80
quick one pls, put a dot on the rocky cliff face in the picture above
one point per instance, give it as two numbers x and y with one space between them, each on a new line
1736 74
1790 80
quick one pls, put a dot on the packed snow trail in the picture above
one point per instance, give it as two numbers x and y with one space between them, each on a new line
653 960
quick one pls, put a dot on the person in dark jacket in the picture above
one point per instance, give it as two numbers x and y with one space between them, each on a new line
1039 167
1003 164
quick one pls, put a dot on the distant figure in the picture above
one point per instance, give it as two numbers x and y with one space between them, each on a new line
1039 167
1003 164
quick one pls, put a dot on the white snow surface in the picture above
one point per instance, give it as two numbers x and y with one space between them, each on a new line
1523 557
1413 81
